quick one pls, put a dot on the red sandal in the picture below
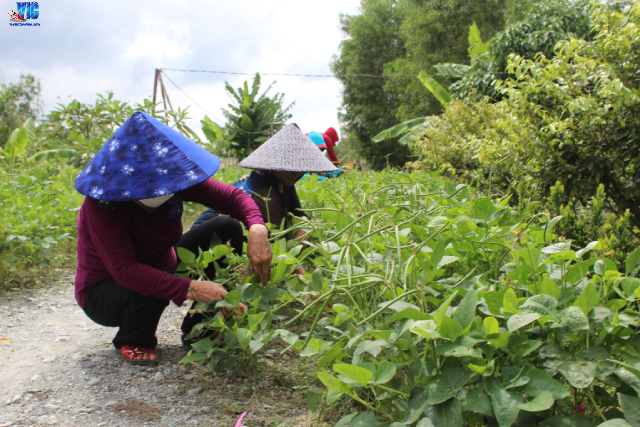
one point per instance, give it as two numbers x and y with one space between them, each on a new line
130 353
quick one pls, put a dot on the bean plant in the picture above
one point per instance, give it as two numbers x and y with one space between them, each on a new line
429 304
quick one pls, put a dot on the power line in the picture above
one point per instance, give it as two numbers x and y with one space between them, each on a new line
192 100
208 113
316 75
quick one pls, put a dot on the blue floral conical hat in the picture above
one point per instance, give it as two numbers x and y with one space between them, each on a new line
143 159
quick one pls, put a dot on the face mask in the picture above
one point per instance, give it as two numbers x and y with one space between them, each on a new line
155 201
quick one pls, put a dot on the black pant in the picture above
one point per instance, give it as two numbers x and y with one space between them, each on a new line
137 315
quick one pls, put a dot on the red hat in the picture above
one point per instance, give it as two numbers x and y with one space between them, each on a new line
331 137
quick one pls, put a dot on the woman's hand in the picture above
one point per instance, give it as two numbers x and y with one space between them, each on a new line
208 291
259 252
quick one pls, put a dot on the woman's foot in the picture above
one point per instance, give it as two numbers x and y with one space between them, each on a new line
139 355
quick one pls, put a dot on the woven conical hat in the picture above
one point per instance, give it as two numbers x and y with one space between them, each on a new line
288 151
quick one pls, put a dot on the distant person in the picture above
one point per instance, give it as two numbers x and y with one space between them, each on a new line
277 165
326 142
131 221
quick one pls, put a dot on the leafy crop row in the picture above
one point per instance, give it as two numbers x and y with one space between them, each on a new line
430 306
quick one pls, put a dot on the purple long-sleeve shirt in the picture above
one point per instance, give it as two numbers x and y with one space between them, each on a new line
122 241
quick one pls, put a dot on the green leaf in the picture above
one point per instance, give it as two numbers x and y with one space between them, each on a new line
385 372
426 328
417 403
364 419
632 261
255 345
372 347
333 383
631 407
629 286
579 271
579 374
491 326
494 301
186 256
510 302
574 318
476 47
356 373
505 408
517 321
194 357
425 422
330 355
448 413
438 252
255 319
314 399
246 123
346 420
466 311
220 250
550 357
561 421
458 350
540 381
269 294
541 402
450 329
410 313
438 389
452 70
588 299
17 142
435 88
315 285
233 298
399 129
616 422
244 337
483 208
479 402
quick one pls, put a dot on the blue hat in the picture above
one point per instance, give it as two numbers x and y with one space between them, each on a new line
144 159
317 139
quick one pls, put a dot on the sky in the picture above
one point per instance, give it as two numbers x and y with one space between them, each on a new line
84 48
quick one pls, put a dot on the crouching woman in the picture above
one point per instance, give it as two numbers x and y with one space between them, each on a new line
131 222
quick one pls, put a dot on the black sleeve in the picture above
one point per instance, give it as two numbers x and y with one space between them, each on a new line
271 205
294 204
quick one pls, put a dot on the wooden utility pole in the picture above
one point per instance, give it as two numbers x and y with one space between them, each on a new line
155 87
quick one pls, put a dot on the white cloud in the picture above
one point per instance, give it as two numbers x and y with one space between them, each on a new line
84 48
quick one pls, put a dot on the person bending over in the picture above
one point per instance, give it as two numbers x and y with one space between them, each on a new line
131 221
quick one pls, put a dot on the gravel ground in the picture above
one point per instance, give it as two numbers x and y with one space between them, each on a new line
57 367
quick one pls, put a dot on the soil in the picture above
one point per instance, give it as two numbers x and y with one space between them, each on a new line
57 367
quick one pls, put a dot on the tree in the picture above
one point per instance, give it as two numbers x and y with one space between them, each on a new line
18 102
372 41
77 130
540 29
436 31
252 119
402 37
569 122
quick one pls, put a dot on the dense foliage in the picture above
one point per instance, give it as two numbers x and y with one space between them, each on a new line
19 102
429 305
405 37
568 123
541 28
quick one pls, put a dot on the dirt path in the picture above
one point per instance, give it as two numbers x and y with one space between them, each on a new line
59 368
